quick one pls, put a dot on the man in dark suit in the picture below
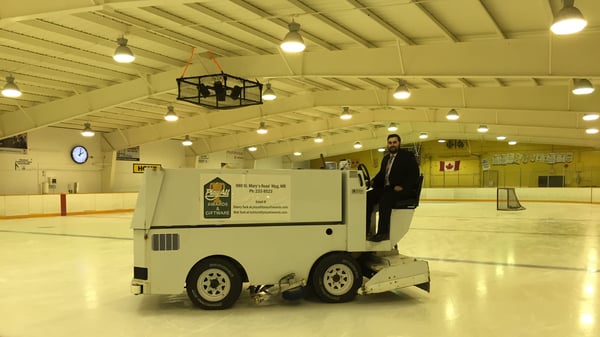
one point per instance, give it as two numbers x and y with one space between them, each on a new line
397 179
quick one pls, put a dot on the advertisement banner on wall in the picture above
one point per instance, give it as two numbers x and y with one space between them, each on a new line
16 143
129 154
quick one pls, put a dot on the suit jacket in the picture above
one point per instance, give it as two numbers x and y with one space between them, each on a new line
404 171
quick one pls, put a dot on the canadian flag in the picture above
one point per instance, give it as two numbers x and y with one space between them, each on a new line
449 165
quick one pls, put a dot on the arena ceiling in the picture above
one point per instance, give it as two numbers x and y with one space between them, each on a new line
494 61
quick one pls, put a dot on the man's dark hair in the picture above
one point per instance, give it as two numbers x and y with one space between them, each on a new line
393 135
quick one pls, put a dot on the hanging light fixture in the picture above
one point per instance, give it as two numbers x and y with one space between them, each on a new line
171 116
591 131
10 88
346 113
262 129
123 54
423 135
357 145
590 117
319 139
441 140
187 141
268 94
393 127
252 148
512 142
293 41
297 153
452 115
482 128
381 149
582 86
87 130
401 91
569 20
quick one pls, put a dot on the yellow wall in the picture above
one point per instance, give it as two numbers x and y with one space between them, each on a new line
582 171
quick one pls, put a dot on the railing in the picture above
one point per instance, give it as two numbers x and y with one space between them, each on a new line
517 177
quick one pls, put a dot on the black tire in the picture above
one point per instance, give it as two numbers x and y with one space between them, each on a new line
336 278
214 284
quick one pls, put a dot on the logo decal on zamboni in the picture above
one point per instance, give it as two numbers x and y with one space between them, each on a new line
217 199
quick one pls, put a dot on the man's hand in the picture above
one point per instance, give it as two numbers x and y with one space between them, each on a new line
398 188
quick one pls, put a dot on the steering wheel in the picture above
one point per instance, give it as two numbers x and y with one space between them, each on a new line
365 172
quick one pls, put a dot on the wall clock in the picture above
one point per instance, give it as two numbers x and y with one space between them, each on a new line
79 154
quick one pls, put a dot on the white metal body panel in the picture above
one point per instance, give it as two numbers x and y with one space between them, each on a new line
176 197
266 253
326 214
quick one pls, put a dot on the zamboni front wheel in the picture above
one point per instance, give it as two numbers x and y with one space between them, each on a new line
336 278
214 283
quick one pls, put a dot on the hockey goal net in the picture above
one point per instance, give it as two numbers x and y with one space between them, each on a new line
506 199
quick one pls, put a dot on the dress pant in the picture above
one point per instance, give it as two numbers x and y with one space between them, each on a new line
386 198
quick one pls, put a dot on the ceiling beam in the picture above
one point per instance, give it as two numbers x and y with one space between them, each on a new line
72 51
70 66
373 16
88 38
328 21
463 60
236 43
243 27
561 132
465 82
554 98
523 58
138 24
373 83
343 83
481 106
280 22
14 11
373 139
61 76
435 21
492 19
433 82
54 112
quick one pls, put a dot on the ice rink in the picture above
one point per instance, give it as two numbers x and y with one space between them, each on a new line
533 272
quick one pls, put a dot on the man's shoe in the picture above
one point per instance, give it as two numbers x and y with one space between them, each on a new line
379 238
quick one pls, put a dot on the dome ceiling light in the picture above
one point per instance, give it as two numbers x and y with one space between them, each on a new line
293 41
569 20
123 54
401 91
452 115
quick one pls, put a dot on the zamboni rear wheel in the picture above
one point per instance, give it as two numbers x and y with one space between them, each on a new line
336 278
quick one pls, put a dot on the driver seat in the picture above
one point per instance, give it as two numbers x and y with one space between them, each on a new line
402 213
413 202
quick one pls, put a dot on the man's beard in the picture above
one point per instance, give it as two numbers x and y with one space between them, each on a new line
393 149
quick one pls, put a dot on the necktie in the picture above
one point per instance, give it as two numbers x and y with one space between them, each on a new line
388 167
